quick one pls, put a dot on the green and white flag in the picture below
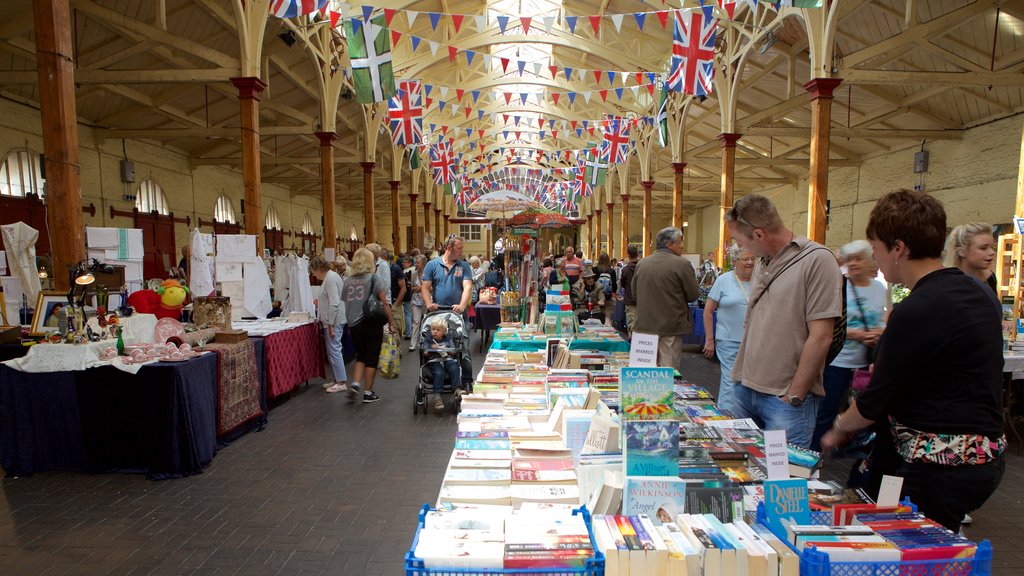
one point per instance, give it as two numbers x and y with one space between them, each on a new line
596 168
799 4
663 117
369 46
414 157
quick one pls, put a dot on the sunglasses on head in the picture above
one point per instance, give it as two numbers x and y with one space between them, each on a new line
735 216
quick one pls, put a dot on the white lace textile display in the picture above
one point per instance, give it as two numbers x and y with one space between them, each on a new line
202 280
243 276
118 247
291 284
19 241
268 326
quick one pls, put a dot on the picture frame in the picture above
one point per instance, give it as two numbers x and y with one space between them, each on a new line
46 318
1018 224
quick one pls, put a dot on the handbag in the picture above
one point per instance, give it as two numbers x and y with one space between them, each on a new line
373 308
861 379
389 364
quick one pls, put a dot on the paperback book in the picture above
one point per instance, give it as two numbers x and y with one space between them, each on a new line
651 447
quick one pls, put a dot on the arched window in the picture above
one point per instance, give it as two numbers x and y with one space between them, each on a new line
224 212
307 224
21 174
273 220
150 197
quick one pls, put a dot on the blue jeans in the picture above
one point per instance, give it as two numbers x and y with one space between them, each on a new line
726 351
407 307
771 413
334 352
437 373
837 386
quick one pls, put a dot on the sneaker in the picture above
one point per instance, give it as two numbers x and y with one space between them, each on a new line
370 397
438 404
338 387
329 383
353 391
967 520
412 348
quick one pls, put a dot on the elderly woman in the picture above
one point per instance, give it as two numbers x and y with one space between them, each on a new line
729 296
865 319
478 276
558 277
367 332
971 247
419 263
330 311
938 372
588 291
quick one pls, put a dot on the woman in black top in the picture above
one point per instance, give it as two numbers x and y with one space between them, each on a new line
971 247
938 374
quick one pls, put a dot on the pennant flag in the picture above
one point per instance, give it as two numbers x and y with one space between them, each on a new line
663 18
729 6
526 24
692 67
389 14
616 139
502 23
481 22
452 52
405 113
611 76
640 17
434 19
369 48
595 23
469 57
568 73
395 37
411 15
293 8
457 21
617 22
415 43
504 64
367 11
522 66
571 21
663 118
618 93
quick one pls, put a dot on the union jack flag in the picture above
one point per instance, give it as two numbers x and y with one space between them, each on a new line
692 68
569 202
406 113
615 148
580 184
441 162
293 8
463 192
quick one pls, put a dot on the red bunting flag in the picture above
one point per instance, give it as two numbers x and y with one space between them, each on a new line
597 76
504 64
389 13
663 18
395 37
595 23
526 24
452 51
457 21
554 97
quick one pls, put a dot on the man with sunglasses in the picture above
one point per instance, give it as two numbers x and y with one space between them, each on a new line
795 299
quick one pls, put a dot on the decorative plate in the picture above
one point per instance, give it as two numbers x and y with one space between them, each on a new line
167 328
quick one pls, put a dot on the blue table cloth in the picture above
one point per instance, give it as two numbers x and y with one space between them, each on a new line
697 337
161 421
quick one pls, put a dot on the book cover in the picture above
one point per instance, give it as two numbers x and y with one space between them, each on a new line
660 497
785 502
575 427
651 447
723 500
646 394
480 476
482 444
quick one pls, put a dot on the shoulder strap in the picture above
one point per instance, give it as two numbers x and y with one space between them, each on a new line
860 307
800 256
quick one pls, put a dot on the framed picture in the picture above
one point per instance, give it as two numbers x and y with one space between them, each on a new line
1018 224
46 319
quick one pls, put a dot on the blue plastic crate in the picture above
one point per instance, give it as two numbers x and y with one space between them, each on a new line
815 563
593 566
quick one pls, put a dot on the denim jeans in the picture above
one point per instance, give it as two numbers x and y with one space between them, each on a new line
770 412
437 373
334 353
407 307
726 351
837 386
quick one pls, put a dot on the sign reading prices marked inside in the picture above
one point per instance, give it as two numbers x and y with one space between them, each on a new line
643 350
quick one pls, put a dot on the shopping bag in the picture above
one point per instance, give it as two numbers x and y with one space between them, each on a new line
389 365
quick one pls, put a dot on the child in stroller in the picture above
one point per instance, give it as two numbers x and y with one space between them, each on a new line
443 355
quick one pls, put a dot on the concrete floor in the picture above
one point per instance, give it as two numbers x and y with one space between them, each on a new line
328 488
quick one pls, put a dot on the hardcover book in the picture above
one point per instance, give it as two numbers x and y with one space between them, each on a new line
660 497
785 502
646 394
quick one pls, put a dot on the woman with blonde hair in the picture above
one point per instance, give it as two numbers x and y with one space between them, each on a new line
367 332
971 247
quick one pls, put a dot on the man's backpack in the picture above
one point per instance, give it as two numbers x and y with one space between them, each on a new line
605 279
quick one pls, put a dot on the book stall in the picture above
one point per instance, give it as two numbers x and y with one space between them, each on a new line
576 461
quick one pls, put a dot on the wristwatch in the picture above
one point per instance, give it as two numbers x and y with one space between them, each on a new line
794 401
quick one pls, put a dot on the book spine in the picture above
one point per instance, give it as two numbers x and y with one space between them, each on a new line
646 540
628 533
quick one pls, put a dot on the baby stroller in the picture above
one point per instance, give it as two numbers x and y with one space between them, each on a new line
460 336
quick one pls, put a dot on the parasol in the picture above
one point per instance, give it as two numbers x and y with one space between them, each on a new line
648 409
541 218
502 204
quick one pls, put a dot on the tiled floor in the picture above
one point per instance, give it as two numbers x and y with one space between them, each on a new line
327 488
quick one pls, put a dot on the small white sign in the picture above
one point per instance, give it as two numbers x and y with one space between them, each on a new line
329 254
889 491
775 452
643 351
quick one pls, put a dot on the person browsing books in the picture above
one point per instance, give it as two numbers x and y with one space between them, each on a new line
938 376
722 336
865 314
795 299
330 311
439 352
971 247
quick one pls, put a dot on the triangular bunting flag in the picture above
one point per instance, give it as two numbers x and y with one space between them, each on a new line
415 43
568 73
504 64
526 23
571 22
433 48
554 97
481 23
475 94
457 21
469 57
611 77
395 37
522 66
663 18
367 10
548 22
597 76
640 17
389 14
452 52
617 21
410 16
595 23
435 18
604 95
502 23
618 92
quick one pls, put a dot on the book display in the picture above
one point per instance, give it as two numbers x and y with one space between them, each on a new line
572 462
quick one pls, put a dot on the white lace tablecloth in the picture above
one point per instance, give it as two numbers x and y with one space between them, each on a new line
266 327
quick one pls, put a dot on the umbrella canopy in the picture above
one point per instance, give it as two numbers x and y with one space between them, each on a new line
648 410
502 204
541 218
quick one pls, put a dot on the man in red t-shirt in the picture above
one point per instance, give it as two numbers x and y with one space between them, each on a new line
573 265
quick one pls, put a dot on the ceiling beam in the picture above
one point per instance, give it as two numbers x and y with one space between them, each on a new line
843 132
177 133
272 160
963 79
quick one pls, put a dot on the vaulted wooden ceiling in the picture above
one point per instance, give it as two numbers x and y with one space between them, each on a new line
913 70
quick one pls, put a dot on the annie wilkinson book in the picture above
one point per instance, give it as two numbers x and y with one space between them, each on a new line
660 497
